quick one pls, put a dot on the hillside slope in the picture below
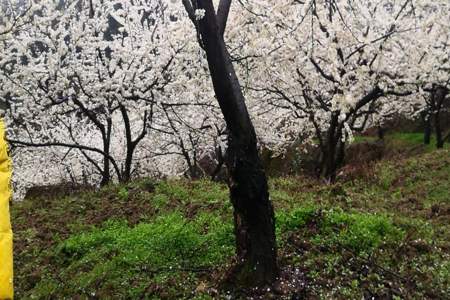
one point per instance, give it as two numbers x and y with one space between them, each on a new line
382 232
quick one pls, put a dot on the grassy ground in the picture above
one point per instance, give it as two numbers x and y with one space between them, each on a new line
381 232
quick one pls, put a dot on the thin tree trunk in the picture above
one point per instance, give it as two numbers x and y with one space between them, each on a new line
330 156
426 117
220 162
438 130
106 176
439 99
126 175
381 132
130 143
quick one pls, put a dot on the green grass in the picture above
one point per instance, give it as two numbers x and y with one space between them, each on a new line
363 138
382 233
403 139
119 255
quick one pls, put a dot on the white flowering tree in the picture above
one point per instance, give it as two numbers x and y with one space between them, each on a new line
329 66
92 76
428 63
14 15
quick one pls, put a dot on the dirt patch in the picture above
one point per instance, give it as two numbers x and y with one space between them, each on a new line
56 191
440 210
410 204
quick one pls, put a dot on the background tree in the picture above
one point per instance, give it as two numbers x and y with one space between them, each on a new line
91 68
330 66
428 63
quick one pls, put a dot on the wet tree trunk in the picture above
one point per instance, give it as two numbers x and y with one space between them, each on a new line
130 143
253 212
333 150
220 163
381 132
106 176
426 117
439 96
438 130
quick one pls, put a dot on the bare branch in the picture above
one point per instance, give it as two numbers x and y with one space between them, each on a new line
66 145
190 11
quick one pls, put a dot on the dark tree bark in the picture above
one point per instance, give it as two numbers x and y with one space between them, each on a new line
426 118
381 132
130 143
438 101
221 158
106 174
332 146
329 162
435 105
253 211
333 150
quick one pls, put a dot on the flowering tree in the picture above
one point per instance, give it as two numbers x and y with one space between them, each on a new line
91 75
197 138
13 17
331 66
429 65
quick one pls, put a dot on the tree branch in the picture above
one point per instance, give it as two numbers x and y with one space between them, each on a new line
222 14
190 11
66 145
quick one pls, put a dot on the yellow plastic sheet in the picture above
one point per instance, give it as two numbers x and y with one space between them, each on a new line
6 251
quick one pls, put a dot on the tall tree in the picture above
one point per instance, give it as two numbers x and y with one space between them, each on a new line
253 212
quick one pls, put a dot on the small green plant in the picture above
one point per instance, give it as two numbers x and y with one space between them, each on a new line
174 190
386 176
123 194
160 200
357 231
296 218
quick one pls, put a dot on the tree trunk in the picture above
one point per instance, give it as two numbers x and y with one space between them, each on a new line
253 212
253 215
332 151
381 132
106 176
426 117
438 130
220 162
126 170
130 143
126 176
340 155
439 100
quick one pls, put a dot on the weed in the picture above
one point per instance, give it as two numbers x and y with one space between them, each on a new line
123 193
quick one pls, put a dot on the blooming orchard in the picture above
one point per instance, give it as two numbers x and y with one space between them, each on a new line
107 90
334 67
98 86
